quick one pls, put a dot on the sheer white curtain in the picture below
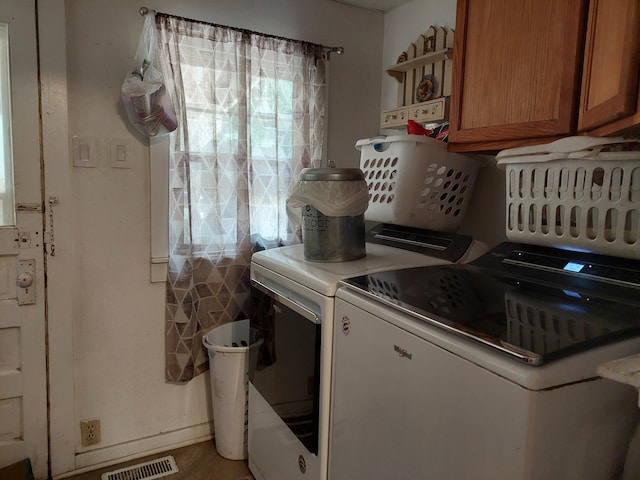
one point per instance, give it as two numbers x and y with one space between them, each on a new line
251 115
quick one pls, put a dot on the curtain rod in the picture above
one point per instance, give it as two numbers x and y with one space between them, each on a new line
329 50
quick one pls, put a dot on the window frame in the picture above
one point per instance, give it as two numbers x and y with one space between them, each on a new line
7 194
159 193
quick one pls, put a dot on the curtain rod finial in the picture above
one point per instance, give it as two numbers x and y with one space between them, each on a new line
144 11
336 50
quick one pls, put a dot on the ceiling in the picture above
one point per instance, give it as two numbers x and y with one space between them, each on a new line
382 5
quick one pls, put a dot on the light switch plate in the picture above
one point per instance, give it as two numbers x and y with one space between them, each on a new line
85 151
122 152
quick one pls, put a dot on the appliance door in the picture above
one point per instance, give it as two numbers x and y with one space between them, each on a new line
535 322
287 374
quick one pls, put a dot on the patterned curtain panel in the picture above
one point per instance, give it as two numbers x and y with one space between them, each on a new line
251 112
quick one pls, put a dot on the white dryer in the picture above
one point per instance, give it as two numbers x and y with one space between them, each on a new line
289 394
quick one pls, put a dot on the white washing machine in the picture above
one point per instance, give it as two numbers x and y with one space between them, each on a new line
289 394
485 371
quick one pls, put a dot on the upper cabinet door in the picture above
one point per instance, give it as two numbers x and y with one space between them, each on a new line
611 63
516 76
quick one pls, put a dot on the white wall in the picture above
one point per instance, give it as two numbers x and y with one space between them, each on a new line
114 364
485 216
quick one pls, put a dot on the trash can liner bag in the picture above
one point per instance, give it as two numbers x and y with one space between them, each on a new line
331 198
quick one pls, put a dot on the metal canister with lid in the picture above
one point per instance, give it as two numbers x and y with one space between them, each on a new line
334 238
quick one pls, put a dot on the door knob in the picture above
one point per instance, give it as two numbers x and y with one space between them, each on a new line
25 279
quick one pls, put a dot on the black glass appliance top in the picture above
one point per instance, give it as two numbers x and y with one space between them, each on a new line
533 303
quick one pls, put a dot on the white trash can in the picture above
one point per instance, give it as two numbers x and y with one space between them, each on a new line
233 349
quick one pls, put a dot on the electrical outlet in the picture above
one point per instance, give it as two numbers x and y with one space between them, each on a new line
90 432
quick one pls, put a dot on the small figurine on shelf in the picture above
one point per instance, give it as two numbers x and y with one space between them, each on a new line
426 88
402 58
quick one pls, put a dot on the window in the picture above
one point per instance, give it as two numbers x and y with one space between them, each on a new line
7 202
250 111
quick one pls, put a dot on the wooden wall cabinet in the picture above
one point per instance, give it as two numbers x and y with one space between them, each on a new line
531 71
610 95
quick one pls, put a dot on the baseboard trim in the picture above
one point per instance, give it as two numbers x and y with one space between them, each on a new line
126 451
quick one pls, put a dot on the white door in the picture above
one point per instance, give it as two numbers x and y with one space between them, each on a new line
23 391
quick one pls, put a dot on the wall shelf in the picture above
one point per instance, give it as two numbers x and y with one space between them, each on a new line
398 70
428 59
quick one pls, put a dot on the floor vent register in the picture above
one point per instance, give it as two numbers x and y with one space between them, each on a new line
160 467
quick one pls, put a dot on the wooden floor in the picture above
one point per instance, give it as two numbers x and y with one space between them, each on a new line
195 462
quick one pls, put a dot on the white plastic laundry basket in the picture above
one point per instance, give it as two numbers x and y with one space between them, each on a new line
578 192
414 181
233 352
